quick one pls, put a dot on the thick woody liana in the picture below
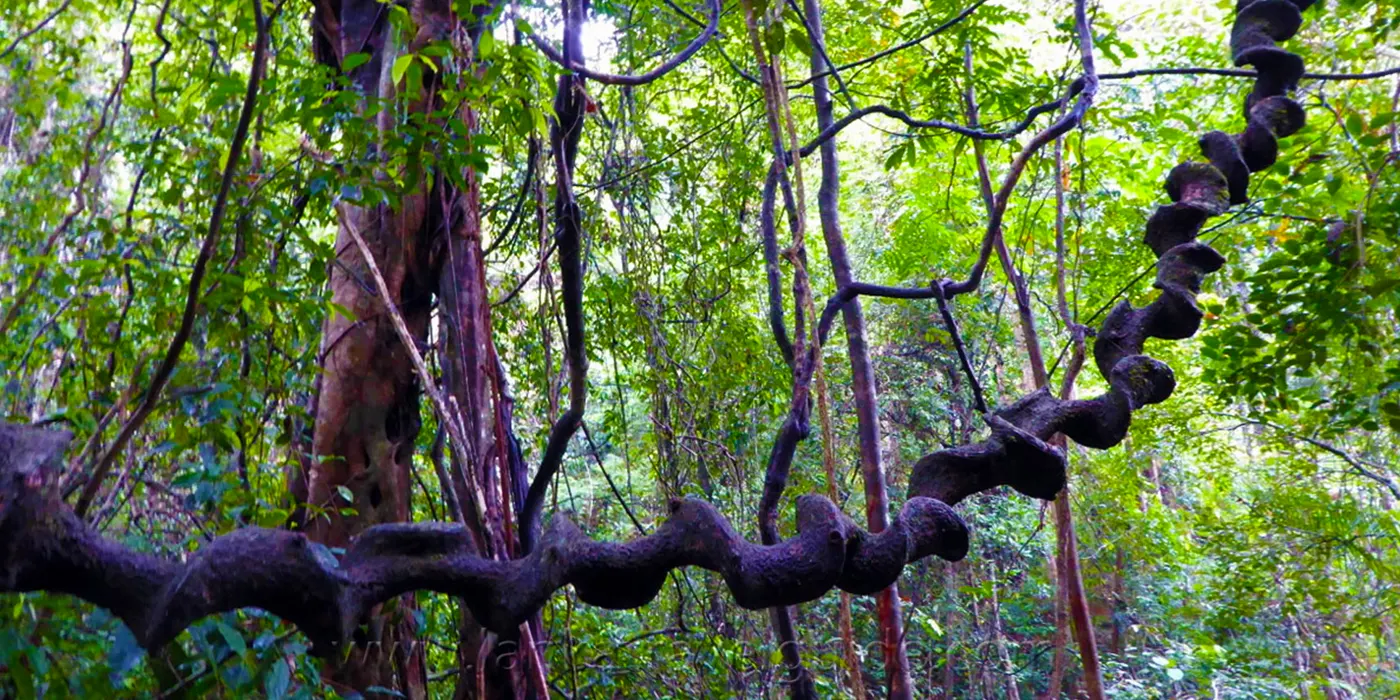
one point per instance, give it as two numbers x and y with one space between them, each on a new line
1018 452
45 546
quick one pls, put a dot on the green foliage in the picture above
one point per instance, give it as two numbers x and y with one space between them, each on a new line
1241 544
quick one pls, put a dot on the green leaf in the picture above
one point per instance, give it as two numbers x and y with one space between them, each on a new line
1334 184
1175 674
24 682
343 311
124 655
1354 124
413 83
271 517
802 42
399 16
1383 286
932 626
401 65
278 680
232 638
774 38
895 156
354 60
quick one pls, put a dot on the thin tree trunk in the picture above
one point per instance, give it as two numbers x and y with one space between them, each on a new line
984 674
1060 659
1077 603
799 680
950 625
855 678
1008 669
1116 607
862 373
1066 545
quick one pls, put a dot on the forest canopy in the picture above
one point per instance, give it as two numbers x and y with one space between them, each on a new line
691 348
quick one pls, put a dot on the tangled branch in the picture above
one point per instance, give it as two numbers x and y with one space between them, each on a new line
575 65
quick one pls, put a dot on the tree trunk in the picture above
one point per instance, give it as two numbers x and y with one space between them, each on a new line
367 406
367 412
950 624
1066 545
1008 669
862 373
1060 659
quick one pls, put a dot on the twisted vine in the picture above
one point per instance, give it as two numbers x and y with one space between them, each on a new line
1018 452
45 546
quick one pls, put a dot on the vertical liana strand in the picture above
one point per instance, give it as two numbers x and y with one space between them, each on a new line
798 678
864 391
569 110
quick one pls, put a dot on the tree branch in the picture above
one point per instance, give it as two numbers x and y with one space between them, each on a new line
575 63
955 20
1240 73
963 359
42 23
768 228
1329 448
568 221
1063 125
971 132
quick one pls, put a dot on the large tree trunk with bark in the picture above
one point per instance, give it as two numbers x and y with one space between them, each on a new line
368 404
367 419
367 410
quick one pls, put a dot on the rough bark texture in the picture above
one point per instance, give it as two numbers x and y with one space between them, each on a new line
43 546
1198 191
367 411
368 416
